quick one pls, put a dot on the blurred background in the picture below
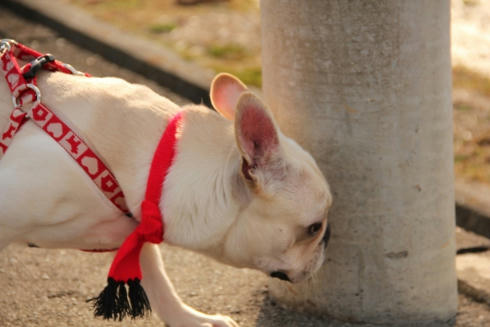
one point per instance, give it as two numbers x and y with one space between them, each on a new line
49 287
224 35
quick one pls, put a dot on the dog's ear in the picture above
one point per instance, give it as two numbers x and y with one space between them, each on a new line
225 92
256 135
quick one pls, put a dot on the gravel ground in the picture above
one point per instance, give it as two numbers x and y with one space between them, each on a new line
49 287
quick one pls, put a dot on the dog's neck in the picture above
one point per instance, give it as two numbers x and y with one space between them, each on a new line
204 183
124 123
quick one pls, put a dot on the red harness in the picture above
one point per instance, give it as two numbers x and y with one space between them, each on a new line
114 302
26 93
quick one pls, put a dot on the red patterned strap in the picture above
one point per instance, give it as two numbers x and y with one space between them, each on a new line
28 94
16 119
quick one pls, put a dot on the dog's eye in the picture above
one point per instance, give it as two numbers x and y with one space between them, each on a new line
313 229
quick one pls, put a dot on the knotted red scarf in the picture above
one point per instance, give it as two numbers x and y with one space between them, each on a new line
114 302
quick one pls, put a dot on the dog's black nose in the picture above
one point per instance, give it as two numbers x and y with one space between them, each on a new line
326 236
281 275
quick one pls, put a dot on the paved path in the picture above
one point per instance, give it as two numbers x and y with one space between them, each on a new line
44 288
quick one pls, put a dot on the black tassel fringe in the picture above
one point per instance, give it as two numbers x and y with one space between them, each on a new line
114 303
138 299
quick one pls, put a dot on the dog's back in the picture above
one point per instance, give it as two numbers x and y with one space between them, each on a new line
45 197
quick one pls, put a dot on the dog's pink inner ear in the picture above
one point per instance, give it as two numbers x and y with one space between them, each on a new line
225 92
257 133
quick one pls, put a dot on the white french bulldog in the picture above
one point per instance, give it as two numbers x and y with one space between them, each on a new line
238 191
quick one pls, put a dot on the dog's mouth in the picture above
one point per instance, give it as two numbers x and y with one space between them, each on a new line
312 267
280 275
294 280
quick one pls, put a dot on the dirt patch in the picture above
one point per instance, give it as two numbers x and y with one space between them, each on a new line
472 134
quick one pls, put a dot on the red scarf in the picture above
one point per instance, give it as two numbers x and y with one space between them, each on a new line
114 302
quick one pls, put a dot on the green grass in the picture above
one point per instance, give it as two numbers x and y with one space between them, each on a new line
119 4
162 28
462 107
228 51
467 79
461 157
249 75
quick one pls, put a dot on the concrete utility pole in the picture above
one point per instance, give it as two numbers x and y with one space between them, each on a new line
365 86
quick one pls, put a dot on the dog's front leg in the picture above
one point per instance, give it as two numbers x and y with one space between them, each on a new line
164 299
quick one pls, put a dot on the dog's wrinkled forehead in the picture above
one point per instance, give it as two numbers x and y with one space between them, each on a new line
314 195
305 187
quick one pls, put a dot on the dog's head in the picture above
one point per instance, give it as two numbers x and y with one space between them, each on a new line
282 226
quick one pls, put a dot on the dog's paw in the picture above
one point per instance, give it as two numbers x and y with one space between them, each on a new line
192 318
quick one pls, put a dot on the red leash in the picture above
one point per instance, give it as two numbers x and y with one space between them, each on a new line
114 302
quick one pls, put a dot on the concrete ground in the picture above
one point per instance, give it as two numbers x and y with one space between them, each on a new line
42 287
